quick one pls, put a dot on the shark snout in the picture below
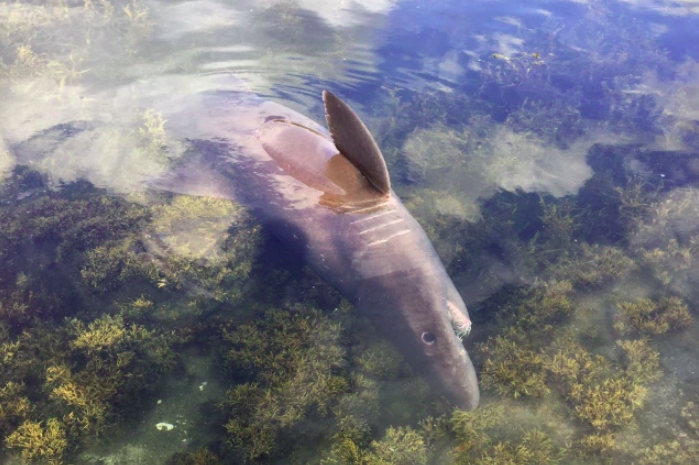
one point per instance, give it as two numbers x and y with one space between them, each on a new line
453 370
464 386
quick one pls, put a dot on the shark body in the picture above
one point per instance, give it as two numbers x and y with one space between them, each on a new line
326 194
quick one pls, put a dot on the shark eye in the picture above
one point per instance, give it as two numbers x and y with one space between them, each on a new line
428 338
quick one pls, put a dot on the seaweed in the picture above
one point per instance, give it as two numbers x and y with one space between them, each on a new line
651 318
482 439
535 446
593 266
14 406
673 262
201 456
471 428
382 361
642 362
511 368
356 409
40 441
600 396
399 446
289 358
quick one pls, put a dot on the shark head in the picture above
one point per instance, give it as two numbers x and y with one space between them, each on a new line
436 320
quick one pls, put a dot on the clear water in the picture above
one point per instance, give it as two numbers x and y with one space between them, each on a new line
550 149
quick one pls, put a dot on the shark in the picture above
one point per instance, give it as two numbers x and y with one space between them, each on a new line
326 194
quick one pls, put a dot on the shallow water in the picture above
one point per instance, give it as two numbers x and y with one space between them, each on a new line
549 149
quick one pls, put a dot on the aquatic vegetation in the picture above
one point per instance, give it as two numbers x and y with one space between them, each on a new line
442 216
404 112
434 150
296 387
642 361
672 452
196 227
29 65
651 318
63 383
598 444
668 217
356 409
105 242
547 305
483 438
593 265
433 209
106 267
672 262
471 428
43 442
399 446
611 402
601 397
55 43
153 135
635 200
683 449
381 360
434 429
120 361
289 357
14 406
559 224
516 360
345 452
201 456
134 23
535 446
72 226
512 368
690 413
216 232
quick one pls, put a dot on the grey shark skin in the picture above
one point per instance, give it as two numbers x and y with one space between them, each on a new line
327 195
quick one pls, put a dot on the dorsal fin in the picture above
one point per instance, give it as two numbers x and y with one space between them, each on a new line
355 142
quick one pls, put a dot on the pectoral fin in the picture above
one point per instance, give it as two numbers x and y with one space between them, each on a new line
355 142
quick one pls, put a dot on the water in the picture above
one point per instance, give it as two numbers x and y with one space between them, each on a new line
549 149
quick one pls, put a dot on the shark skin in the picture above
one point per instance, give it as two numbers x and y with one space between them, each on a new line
326 195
